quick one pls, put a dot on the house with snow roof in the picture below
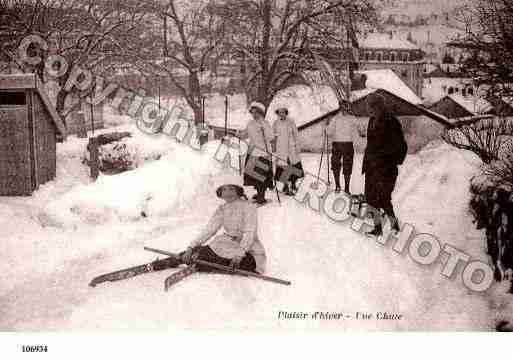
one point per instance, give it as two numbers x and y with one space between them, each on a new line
421 125
457 106
387 51
440 85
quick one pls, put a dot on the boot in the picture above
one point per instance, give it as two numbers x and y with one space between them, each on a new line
293 187
377 231
395 225
347 180
260 196
336 176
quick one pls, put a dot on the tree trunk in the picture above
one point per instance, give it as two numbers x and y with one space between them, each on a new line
194 98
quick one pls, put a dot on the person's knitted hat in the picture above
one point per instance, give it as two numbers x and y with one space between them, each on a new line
258 106
280 109
375 100
238 189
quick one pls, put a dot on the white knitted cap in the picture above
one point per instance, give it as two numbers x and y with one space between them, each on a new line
258 105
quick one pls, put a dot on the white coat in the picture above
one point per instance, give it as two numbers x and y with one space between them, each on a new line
240 222
287 141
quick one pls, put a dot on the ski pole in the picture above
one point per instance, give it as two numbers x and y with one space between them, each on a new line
320 163
240 160
225 115
224 268
272 168
327 154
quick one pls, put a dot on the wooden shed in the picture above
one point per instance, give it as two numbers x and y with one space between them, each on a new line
456 106
29 130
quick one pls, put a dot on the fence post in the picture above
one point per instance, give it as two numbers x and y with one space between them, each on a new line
93 158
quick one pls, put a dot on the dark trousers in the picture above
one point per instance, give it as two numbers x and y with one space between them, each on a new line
342 154
379 185
206 253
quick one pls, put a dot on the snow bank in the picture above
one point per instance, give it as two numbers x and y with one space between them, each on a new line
433 194
432 190
156 189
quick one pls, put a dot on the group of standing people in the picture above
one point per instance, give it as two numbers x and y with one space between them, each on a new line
240 246
386 149
266 142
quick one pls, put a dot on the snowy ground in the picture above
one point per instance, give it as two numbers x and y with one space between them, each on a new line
71 230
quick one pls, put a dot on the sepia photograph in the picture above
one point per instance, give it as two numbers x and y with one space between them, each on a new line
338 166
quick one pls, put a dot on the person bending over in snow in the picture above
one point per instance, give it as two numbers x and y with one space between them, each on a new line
286 137
239 247
386 149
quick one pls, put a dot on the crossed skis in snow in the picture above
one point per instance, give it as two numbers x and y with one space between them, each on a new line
178 275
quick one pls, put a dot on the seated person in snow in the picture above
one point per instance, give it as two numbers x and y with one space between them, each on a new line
239 246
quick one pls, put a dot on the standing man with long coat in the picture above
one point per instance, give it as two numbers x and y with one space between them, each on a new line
287 151
386 149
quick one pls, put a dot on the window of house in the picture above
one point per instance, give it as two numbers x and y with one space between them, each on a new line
13 98
378 56
470 91
451 90
405 57
392 56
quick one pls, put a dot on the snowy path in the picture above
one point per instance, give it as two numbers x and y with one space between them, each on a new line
332 269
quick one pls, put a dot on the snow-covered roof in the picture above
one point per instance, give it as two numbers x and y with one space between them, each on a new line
32 81
385 41
305 103
472 104
387 79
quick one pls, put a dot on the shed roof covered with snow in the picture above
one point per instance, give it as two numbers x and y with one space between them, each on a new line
30 81
458 106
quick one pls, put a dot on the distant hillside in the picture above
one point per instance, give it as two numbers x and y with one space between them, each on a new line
411 9
422 35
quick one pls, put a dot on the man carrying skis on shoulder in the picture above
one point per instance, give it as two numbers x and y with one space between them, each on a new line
239 247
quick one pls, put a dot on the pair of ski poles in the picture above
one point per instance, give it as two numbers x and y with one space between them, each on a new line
324 148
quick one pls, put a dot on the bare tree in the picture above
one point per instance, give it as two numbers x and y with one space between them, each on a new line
187 43
485 138
275 39
488 42
91 35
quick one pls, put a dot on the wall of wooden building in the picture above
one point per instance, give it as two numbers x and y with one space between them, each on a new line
46 139
15 163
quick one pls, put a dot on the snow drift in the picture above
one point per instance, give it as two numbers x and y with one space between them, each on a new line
157 188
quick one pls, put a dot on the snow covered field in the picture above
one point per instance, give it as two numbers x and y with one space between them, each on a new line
71 230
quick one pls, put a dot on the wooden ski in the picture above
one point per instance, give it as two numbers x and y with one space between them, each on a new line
178 276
